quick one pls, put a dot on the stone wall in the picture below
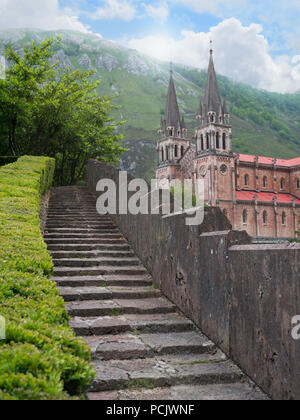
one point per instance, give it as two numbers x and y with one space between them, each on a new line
242 296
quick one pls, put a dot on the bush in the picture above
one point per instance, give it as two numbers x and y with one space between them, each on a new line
40 358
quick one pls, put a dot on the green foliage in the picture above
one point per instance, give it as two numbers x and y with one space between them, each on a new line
41 358
49 112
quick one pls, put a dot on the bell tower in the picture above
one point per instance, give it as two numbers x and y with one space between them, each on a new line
173 144
214 157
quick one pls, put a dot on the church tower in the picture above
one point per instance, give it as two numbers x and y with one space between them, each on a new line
172 144
214 157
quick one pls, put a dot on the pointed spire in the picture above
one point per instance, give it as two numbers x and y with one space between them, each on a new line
172 115
212 101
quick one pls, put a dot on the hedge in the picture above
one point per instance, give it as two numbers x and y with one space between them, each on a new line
5 160
40 359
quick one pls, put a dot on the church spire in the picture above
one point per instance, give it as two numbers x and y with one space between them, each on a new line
214 133
172 125
172 114
212 100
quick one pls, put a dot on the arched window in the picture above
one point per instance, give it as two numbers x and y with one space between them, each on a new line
167 153
170 132
182 151
265 217
207 141
246 180
244 217
212 118
265 182
176 151
202 142
283 219
162 155
218 140
282 184
224 141
298 184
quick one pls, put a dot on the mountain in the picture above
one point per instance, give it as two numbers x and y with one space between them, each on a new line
263 122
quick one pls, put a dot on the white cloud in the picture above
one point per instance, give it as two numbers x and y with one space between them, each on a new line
158 12
115 9
45 14
241 52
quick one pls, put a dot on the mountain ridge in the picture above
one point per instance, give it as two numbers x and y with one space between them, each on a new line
264 123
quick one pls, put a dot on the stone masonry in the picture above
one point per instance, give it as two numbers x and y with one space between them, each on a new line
142 346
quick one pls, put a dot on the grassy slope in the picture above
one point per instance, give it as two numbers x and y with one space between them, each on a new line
142 99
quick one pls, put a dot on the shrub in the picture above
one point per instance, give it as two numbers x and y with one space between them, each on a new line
40 358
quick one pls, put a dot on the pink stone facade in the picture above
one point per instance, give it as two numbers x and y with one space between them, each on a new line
258 194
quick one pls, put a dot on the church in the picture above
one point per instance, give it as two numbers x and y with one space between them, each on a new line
258 194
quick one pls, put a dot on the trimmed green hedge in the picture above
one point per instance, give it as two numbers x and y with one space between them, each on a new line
5 160
41 358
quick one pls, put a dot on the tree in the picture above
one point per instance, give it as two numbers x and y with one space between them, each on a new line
19 91
44 111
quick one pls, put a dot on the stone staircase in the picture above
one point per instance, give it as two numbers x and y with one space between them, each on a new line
142 347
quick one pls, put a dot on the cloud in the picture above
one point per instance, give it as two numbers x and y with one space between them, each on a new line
115 9
241 53
216 7
158 12
46 14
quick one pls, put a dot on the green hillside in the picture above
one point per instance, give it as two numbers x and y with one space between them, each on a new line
263 123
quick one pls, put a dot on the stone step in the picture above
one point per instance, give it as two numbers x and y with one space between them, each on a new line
71 294
81 220
104 229
76 215
88 248
94 220
72 205
91 254
120 280
140 346
72 209
77 225
91 240
91 308
97 271
85 233
96 262
150 373
106 235
147 324
214 392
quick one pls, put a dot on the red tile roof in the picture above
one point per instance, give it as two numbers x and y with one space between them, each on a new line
265 197
289 163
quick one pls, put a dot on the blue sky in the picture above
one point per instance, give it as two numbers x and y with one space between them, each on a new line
257 42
